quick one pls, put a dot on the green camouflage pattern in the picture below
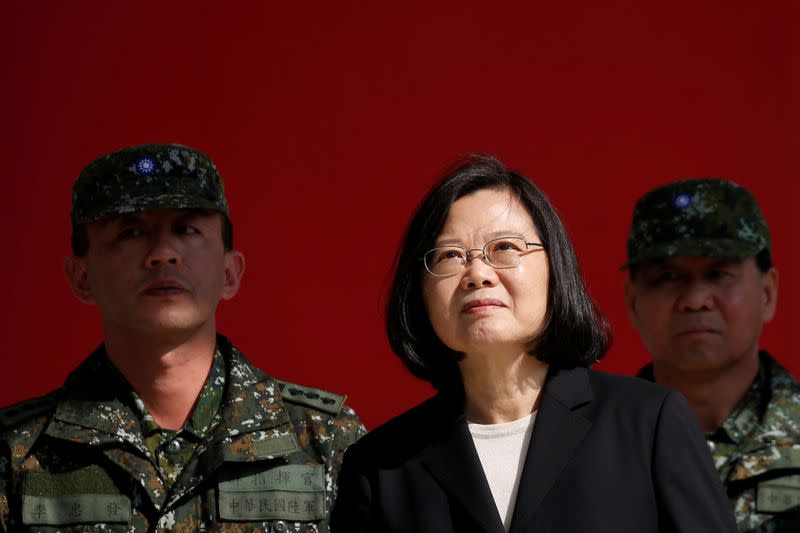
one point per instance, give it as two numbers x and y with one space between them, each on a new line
283 454
174 449
757 448
145 178
700 218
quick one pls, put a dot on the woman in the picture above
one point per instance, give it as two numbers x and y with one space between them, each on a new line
489 305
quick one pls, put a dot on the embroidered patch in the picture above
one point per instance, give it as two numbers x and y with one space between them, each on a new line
146 166
310 397
84 495
778 495
288 492
682 201
75 508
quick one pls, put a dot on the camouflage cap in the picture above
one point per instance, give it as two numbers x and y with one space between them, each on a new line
697 217
144 178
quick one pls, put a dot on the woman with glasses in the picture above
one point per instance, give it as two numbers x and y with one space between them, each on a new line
489 305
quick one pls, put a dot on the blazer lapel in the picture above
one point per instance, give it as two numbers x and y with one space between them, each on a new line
557 433
454 463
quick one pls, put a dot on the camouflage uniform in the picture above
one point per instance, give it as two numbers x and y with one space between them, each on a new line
757 448
78 458
255 454
757 451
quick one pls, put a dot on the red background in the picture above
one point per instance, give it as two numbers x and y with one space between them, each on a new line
329 120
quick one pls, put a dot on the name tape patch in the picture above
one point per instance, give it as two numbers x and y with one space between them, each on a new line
300 478
70 509
288 492
271 504
778 495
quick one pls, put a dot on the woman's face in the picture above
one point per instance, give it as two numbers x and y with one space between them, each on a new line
483 307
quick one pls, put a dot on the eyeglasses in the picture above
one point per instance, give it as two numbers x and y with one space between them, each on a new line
503 252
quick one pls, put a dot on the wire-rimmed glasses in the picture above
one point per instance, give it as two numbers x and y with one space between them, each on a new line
503 252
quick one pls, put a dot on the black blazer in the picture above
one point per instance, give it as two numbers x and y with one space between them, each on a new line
607 454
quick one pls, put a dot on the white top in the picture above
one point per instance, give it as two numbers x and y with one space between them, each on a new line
502 449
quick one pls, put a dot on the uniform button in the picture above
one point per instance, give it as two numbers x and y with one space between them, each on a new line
174 446
279 526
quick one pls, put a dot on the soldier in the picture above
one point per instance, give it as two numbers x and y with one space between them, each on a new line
166 426
700 286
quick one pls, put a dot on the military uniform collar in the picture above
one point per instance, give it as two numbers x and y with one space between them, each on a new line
778 393
251 400
90 398
749 412
204 410
93 400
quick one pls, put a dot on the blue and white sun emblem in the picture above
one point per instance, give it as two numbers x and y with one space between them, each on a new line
145 166
682 201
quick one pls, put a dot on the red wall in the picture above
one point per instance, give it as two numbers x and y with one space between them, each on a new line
329 120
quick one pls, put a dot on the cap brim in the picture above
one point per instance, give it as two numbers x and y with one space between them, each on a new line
141 204
717 248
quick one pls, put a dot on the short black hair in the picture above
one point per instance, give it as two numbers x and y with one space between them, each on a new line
575 332
80 237
763 261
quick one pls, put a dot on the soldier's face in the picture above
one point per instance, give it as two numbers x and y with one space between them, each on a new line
482 306
156 273
699 314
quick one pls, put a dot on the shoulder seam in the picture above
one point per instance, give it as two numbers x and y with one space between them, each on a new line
15 414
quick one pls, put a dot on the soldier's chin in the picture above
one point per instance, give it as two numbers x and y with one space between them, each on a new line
171 325
696 361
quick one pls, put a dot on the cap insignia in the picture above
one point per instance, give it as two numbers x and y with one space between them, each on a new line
145 166
682 201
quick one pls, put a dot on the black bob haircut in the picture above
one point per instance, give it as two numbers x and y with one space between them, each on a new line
575 332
